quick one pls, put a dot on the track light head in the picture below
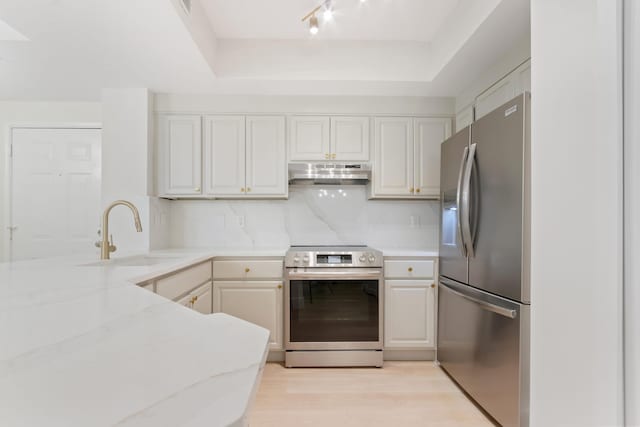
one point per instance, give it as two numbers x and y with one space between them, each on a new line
313 25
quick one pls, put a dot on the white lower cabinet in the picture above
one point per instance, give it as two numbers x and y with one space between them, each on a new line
199 299
409 314
258 302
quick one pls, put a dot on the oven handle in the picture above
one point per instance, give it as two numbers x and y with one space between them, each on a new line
334 274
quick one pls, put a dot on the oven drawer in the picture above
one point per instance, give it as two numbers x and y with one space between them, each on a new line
409 269
248 269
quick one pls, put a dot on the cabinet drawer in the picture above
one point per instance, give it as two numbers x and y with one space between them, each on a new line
248 269
409 269
184 281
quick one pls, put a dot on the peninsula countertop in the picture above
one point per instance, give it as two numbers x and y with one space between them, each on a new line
83 345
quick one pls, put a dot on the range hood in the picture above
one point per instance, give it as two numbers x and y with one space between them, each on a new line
329 173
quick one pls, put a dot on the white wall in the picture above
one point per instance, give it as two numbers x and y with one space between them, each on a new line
313 215
35 113
519 53
408 105
576 313
632 211
127 169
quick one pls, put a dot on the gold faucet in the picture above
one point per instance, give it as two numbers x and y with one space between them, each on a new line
105 246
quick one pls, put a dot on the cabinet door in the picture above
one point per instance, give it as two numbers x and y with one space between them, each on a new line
464 117
224 150
409 314
179 155
393 171
266 156
202 299
429 134
350 138
309 138
496 95
258 302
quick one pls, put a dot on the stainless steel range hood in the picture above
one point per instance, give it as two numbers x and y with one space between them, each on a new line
329 173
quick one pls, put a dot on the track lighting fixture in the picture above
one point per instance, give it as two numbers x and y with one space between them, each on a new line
327 15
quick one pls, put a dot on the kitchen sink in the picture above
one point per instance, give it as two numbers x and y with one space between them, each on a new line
132 261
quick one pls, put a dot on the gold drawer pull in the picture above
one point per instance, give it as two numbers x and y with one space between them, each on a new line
333 156
433 285
411 190
279 286
248 189
246 270
242 190
417 190
197 189
410 269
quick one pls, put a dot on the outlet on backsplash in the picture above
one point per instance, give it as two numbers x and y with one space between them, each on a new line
240 221
414 221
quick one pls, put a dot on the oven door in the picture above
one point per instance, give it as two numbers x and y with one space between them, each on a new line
333 309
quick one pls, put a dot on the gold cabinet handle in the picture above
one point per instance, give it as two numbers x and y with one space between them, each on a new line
410 269
197 189
242 190
333 156
433 285
246 270
279 286
327 156
411 190
417 190
248 189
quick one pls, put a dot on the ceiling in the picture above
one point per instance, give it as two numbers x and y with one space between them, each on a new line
406 20
382 47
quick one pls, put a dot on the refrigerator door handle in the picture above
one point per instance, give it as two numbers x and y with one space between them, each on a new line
463 246
466 201
502 311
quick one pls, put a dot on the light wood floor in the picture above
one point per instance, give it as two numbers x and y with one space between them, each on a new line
402 394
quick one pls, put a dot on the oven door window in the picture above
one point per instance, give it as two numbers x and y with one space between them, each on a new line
334 310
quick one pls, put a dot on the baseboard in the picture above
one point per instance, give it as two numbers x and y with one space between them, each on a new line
409 354
275 356
278 355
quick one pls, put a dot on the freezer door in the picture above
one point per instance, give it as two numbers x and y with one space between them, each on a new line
496 186
454 152
483 344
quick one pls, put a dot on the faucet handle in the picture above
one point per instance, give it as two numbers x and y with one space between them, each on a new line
98 244
112 247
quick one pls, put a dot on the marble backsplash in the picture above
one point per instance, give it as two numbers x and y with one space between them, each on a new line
311 216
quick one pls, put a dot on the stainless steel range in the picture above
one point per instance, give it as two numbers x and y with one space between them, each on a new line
333 306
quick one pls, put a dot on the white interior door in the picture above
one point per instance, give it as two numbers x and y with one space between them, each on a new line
55 192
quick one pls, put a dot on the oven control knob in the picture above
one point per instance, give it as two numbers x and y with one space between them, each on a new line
362 258
372 258
296 259
305 259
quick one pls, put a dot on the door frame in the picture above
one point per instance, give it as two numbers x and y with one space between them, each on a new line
8 167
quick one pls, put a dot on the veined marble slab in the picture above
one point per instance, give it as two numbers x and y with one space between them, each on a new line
84 346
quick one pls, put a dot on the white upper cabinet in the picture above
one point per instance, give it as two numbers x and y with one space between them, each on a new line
350 138
515 83
393 170
429 133
309 138
266 156
315 138
179 155
224 155
407 156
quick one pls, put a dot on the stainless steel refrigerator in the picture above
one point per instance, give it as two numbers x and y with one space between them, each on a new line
483 292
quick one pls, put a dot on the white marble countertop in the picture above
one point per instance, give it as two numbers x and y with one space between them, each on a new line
83 346
408 253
